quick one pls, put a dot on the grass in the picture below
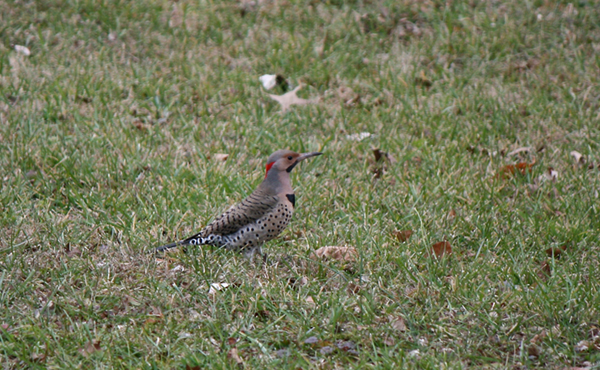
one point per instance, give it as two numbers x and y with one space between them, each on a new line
108 137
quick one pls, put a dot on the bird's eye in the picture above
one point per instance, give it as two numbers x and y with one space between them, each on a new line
290 158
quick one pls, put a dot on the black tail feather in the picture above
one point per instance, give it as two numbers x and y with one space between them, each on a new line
166 247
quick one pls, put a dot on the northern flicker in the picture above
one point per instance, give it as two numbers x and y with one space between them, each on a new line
260 217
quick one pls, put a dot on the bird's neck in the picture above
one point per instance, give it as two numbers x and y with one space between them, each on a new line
278 182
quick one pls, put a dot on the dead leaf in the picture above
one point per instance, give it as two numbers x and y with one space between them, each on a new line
533 350
549 175
90 348
23 50
346 346
582 346
399 324
326 350
538 337
176 17
131 301
441 248
190 367
595 332
379 154
511 169
353 288
556 252
348 96
140 125
310 301
215 287
344 254
389 341
295 282
311 340
520 150
544 271
220 157
282 353
233 354
579 158
451 214
151 320
290 98
411 291
178 268
38 357
185 335
402 235
358 137
270 81
423 81
75 252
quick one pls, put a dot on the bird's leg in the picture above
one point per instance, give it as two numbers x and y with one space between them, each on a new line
265 257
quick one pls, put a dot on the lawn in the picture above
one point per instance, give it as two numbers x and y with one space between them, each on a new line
125 125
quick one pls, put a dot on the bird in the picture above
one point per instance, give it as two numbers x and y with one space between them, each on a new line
260 217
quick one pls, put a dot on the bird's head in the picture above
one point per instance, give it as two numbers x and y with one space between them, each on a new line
286 160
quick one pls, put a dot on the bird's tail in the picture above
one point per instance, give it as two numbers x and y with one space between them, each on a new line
216 240
166 247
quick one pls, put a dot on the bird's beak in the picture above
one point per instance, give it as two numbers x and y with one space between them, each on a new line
303 156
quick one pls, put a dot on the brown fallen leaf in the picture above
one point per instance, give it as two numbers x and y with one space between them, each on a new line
290 98
359 137
220 157
346 346
343 254
297 282
348 96
399 324
549 175
379 155
544 271
75 252
231 341
579 158
423 80
511 169
233 354
311 340
310 301
538 337
23 50
582 346
389 341
353 288
90 347
38 357
441 248
402 235
190 367
556 252
519 150
533 350
140 125
151 320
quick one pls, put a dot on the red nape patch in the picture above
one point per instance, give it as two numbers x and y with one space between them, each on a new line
269 165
